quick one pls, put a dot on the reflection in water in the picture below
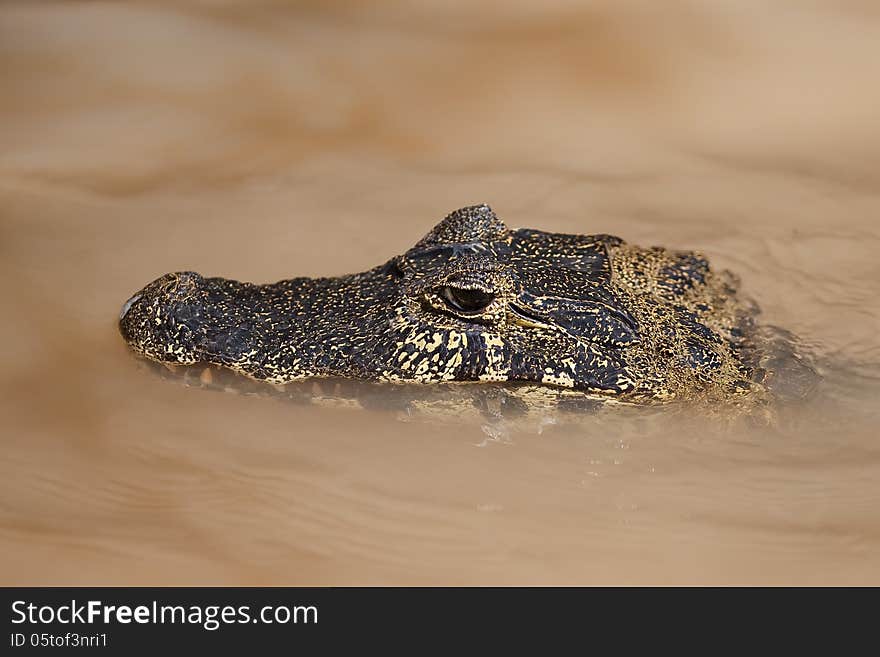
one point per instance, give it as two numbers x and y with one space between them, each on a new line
260 143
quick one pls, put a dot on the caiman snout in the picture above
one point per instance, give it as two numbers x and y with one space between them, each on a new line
127 305
164 320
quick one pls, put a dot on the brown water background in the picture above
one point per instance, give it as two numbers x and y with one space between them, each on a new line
263 140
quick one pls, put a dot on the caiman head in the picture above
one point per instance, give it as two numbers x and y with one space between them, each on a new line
471 301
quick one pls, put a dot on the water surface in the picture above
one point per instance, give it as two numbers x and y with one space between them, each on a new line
259 143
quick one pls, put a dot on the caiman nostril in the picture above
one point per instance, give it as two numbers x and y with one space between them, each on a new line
127 306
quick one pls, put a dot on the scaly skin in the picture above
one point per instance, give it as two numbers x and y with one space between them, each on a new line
472 301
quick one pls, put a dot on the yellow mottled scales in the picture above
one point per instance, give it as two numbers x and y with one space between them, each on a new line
641 276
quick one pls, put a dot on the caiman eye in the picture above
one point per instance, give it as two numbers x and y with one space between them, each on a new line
468 301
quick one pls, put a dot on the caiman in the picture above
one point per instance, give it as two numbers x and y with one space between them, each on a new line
473 301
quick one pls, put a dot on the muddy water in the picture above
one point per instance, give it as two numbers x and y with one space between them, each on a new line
258 143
